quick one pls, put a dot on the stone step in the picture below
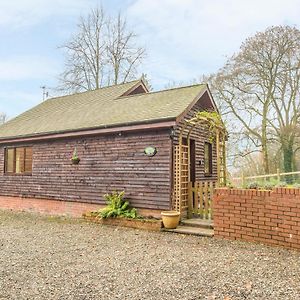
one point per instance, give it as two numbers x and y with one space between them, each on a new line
192 231
198 223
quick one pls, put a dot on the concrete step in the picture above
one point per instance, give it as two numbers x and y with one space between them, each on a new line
192 231
198 223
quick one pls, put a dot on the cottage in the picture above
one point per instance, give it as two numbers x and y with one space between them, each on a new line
126 138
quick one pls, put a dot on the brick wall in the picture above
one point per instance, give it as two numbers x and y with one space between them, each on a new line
57 207
48 207
270 217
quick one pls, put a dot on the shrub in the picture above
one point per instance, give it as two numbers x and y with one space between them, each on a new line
117 207
230 185
253 185
269 186
296 185
281 184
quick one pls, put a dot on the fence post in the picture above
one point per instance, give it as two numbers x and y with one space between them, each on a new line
278 175
243 180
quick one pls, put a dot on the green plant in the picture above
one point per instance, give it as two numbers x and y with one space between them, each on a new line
230 185
253 185
269 186
214 122
75 156
281 184
117 207
296 185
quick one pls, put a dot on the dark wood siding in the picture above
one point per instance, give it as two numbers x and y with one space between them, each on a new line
201 135
108 163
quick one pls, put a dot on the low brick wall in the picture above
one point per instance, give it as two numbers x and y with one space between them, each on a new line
270 217
57 207
153 225
48 207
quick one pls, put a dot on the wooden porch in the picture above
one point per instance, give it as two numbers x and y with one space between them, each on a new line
193 199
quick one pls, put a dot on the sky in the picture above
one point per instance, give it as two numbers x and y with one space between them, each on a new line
184 39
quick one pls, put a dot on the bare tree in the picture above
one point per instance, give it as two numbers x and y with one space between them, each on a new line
285 120
85 54
3 118
102 52
259 87
122 52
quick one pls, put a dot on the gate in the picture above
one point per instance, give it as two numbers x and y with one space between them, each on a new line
200 199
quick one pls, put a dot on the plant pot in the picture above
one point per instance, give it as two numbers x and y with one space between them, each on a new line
75 161
170 219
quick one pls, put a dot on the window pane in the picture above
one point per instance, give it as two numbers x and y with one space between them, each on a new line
28 160
207 158
20 156
9 160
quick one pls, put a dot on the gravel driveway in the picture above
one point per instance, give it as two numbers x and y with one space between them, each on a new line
50 258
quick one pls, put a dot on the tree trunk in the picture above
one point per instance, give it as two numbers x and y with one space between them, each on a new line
264 143
265 159
288 158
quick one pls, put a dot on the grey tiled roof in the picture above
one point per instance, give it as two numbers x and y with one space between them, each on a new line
100 108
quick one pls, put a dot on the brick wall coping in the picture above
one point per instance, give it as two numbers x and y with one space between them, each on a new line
255 192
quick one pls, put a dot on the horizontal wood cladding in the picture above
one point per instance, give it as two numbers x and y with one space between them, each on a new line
108 163
201 135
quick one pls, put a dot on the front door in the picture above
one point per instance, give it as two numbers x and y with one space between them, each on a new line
192 161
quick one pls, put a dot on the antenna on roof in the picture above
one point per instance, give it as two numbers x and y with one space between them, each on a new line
45 93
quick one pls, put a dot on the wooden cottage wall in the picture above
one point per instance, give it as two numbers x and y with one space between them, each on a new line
108 163
201 135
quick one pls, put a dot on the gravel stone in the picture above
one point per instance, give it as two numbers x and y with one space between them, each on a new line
59 258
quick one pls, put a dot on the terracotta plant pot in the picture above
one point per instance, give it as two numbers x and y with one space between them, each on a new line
170 219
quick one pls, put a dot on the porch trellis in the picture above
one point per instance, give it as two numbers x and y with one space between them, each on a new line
181 178
182 172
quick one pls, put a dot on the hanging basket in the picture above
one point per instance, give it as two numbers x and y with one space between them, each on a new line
75 161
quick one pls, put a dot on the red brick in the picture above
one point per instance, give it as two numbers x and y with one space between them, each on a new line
264 236
290 213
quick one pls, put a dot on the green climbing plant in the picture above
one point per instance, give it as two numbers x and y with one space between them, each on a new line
213 120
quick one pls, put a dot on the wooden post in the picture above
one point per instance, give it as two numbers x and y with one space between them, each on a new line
199 198
224 162
211 200
206 199
190 200
189 158
179 178
218 155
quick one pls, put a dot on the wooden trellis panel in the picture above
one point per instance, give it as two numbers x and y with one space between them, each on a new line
181 173
200 199
221 158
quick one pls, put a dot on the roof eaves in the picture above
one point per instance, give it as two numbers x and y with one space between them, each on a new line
199 95
144 122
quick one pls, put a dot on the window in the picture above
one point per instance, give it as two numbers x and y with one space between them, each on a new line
207 159
18 160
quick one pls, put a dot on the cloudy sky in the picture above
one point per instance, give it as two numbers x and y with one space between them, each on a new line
184 38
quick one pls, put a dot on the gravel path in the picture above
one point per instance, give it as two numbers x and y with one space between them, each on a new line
51 258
